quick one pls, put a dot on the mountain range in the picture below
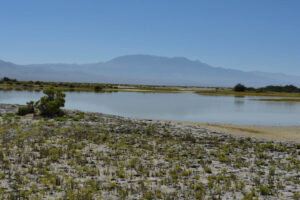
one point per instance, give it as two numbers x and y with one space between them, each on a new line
145 69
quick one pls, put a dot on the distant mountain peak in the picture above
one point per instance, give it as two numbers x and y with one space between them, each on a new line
146 60
7 64
135 57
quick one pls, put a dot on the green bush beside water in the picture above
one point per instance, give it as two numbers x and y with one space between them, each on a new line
49 105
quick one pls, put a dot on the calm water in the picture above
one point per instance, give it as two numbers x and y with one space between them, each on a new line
182 106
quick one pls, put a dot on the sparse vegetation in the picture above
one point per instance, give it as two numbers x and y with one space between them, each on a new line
97 156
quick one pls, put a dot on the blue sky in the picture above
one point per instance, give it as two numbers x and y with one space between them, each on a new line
241 34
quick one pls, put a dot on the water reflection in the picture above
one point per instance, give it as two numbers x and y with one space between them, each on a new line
239 100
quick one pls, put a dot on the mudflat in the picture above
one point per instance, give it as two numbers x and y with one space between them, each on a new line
278 133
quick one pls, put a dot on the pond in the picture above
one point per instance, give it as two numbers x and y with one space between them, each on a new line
175 106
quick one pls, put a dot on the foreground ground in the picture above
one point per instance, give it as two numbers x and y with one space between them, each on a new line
96 156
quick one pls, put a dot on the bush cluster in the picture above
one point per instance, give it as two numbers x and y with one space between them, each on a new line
49 105
270 88
239 88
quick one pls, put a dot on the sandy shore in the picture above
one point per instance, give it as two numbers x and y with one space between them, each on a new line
278 133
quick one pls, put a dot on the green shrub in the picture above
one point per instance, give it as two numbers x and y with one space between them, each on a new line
149 195
296 196
50 105
26 109
264 190
22 111
97 88
239 88
208 170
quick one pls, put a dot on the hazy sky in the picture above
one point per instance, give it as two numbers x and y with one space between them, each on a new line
248 35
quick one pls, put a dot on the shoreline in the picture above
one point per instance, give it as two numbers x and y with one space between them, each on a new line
274 133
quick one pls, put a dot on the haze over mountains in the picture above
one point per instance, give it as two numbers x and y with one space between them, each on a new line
145 69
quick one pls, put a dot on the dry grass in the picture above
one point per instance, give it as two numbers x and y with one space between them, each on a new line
233 93
279 100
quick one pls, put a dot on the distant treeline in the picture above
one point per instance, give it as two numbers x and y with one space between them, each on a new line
6 79
271 88
61 85
9 84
